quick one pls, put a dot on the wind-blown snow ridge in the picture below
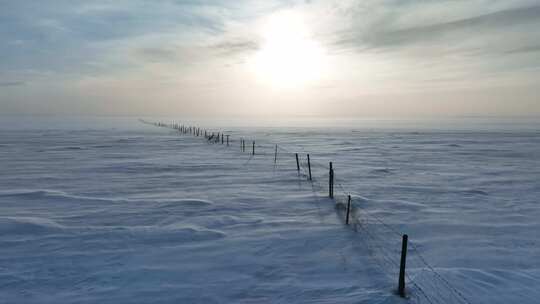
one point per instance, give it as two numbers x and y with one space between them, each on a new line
160 203
28 225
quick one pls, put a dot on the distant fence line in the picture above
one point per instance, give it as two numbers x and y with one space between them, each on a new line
421 282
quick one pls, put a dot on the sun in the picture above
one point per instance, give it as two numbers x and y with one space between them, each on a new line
289 57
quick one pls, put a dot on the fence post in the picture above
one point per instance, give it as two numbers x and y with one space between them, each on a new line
253 150
243 145
227 140
331 182
348 209
401 283
297 163
275 155
222 138
309 166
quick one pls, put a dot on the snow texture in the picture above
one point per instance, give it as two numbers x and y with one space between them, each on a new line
116 211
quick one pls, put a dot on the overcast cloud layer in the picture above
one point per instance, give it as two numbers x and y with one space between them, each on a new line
383 58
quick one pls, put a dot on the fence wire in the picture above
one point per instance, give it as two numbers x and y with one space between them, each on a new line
382 240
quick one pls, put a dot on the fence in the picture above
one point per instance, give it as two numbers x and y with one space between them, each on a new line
397 257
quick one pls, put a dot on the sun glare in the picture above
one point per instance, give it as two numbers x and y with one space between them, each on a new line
289 57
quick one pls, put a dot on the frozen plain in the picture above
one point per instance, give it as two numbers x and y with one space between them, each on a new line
115 211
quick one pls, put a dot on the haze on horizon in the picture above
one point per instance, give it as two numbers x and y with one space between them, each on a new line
270 58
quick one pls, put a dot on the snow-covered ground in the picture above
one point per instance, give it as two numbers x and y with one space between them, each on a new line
116 211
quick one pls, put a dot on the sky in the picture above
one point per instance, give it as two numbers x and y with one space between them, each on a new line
386 58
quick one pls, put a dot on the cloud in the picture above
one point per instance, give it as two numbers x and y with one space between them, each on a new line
431 45
384 33
70 36
157 54
525 49
12 83
234 47
484 23
173 48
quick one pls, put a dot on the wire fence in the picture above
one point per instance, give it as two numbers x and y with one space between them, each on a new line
423 282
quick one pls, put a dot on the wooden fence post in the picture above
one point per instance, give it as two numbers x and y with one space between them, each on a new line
227 140
297 163
401 283
348 209
222 138
331 182
275 155
309 166
253 150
